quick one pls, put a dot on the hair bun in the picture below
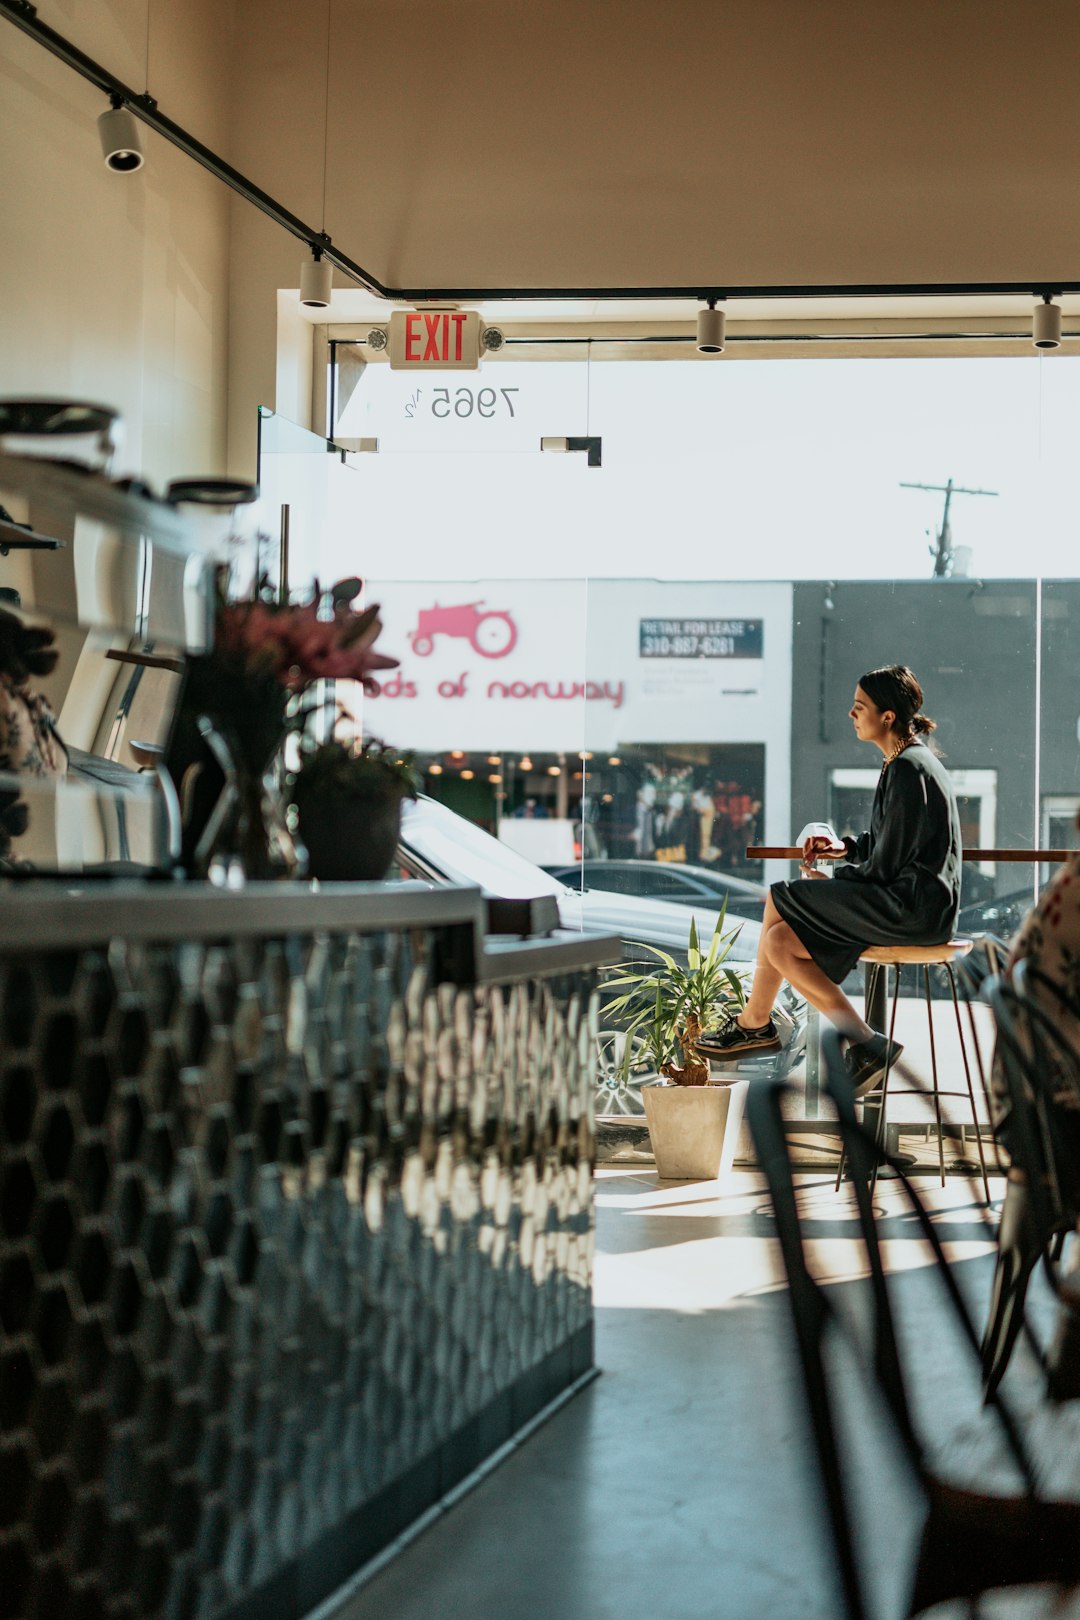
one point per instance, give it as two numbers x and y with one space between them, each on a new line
922 723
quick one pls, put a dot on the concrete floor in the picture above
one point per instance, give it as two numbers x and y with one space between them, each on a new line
679 1485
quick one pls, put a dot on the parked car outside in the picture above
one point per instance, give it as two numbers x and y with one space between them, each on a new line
439 846
675 881
1000 914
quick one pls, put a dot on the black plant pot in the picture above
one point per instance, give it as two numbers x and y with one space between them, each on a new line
349 838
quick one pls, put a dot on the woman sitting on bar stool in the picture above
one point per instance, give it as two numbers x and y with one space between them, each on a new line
900 886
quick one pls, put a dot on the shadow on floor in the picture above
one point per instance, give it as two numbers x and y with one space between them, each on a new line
680 1486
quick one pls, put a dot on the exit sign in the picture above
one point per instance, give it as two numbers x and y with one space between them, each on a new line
435 340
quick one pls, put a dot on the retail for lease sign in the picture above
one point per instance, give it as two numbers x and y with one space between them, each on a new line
700 638
435 340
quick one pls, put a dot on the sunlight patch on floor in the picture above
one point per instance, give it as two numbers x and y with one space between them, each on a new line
721 1263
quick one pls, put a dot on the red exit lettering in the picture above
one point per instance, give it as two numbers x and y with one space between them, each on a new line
443 336
435 337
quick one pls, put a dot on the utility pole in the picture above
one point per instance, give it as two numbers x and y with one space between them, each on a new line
942 549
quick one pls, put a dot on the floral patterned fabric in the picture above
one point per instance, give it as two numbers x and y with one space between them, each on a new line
1049 938
30 744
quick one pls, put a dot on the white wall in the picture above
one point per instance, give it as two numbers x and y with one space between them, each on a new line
115 287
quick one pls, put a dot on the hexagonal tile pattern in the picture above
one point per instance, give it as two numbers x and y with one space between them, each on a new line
277 1217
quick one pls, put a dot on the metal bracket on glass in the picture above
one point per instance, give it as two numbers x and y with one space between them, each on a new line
591 447
20 537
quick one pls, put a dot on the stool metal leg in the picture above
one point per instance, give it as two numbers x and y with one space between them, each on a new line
967 1077
875 1005
933 1069
978 1051
879 1134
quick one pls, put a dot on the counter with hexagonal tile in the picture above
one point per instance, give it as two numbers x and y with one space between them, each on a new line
295 1231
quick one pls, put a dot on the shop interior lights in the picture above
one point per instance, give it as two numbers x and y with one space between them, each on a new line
710 329
526 763
1046 324
434 770
121 143
316 273
316 280
467 776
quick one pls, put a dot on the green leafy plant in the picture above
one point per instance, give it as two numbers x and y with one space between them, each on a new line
372 770
669 1006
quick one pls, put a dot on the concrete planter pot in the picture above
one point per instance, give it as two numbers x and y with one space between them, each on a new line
694 1129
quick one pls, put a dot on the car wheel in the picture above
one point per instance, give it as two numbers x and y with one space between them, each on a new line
616 1092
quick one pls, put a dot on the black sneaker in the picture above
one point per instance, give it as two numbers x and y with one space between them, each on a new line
866 1061
731 1040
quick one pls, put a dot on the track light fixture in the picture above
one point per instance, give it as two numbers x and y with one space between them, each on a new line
119 136
1046 324
710 329
316 280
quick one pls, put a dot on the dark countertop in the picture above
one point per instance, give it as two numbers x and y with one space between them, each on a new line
512 958
52 915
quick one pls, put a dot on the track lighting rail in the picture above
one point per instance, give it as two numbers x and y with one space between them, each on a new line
23 15
144 107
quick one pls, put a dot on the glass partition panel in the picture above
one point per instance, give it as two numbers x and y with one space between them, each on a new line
453 482
489 696
688 686
309 510
835 469
755 537
1059 718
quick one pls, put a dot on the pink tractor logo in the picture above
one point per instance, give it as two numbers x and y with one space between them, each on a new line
489 631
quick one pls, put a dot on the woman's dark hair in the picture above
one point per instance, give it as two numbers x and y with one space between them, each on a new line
24 651
895 687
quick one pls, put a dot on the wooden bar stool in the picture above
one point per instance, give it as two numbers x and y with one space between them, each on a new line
898 957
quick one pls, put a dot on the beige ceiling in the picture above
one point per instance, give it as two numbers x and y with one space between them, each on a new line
544 144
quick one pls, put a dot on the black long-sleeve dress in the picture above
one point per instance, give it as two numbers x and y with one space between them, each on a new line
902 886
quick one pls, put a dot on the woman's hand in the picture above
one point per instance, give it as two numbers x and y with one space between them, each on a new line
815 846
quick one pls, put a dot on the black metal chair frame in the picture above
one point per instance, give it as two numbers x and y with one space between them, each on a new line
1034 1056
1017 1541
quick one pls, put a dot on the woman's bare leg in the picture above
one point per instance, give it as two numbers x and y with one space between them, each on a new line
782 955
790 960
767 979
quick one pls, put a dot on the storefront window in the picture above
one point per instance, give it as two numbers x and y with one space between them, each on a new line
683 717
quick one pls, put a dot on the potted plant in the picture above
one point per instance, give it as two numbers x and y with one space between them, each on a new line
241 699
347 797
693 1120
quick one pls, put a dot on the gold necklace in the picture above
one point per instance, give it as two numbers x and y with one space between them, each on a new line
897 751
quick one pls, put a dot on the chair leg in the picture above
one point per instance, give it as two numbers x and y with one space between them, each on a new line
970 1087
1017 1257
933 1070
